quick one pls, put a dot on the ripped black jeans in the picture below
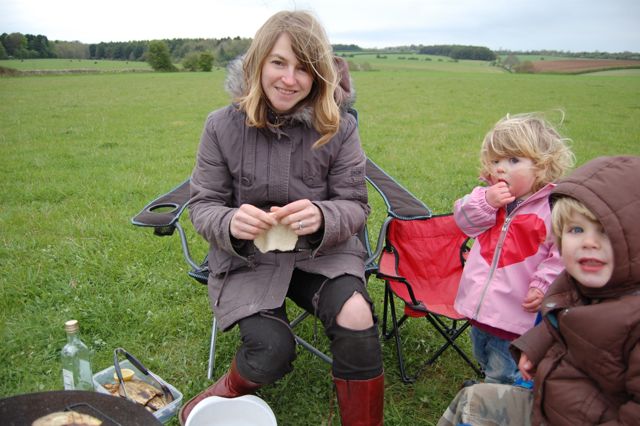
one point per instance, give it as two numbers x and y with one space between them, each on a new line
268 348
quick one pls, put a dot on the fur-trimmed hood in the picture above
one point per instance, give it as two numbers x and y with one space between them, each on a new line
345 94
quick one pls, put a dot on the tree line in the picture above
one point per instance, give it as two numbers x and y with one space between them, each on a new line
479 53
196 53
17 45
28 46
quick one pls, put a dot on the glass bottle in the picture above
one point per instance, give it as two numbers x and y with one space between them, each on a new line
76 360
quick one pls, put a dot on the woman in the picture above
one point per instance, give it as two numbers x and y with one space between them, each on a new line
287 153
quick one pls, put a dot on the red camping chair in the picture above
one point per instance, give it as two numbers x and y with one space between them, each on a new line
421 263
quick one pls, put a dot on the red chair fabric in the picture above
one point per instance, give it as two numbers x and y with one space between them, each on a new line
421 264
427 256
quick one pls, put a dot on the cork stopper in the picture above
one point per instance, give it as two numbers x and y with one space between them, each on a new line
71 326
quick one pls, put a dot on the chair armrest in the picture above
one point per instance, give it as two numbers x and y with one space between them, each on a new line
163 215
164 212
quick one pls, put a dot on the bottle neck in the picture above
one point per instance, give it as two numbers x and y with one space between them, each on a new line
73 336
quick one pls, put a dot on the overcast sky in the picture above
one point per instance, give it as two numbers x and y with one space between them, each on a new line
571 25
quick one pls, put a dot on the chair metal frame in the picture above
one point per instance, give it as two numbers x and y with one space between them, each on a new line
163 215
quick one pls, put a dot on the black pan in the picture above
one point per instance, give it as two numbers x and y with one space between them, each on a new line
22 410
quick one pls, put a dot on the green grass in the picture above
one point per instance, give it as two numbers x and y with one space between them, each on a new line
74 65
82 154
415 62
619 72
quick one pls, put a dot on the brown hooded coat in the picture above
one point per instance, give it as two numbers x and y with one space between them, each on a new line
587 348
274 166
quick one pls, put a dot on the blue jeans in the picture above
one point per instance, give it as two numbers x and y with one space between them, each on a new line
494 357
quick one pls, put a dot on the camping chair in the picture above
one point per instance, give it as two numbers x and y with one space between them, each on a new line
421 260
163 215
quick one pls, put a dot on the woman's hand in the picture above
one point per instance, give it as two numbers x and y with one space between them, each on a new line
498 195
302 216
249 221
526 367
533 300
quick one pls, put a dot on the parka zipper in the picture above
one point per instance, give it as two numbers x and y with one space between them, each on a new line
494 261
496 255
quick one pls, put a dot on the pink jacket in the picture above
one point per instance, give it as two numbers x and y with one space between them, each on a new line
510 255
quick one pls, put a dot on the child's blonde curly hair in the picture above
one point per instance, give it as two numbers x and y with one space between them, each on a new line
530 136
564 208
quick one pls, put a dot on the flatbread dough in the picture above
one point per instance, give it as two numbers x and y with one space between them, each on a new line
279 237
67 418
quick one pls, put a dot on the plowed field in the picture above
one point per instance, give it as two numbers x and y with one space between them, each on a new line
582 65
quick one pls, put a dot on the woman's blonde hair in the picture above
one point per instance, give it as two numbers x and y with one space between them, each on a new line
311 46
530 136
563 209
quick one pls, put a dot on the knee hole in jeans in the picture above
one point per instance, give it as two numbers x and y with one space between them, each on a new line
355 313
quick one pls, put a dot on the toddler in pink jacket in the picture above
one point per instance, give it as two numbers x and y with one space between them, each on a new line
514 258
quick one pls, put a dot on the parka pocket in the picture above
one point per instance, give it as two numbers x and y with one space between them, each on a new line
221 263
352 246
312 178
315 168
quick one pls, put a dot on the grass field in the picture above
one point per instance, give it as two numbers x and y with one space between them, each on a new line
415 62
82 154
39 65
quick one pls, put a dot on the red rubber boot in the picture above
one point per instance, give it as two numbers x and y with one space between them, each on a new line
231 385
361 402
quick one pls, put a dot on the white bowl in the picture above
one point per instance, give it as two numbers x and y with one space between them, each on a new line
247 410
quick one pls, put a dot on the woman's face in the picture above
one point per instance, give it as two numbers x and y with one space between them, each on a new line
284 79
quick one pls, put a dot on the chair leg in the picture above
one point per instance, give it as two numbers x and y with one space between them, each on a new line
384 311
315 351
395 332
308 346
451 334
212 349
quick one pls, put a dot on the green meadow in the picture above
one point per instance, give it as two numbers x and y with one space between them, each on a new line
409 62
39 65
80 154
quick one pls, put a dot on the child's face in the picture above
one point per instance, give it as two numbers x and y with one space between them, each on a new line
519 173
586 251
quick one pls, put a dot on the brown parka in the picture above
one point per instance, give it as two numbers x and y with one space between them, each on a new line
274 166
587 348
